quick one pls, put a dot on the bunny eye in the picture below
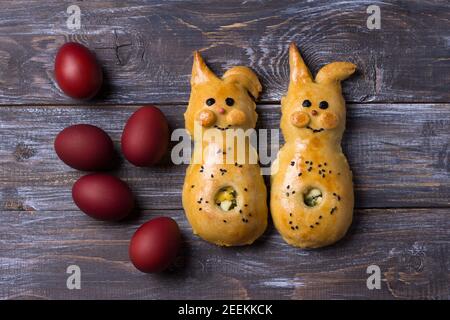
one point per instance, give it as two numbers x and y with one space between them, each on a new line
229 101
306 103
210 101
323 105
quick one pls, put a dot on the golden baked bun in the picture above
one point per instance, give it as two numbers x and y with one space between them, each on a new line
224 195
312 198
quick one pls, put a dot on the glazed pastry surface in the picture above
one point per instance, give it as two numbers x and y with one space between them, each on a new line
224 195
311 184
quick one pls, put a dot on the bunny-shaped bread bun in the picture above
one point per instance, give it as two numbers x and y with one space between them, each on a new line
311 185
224 195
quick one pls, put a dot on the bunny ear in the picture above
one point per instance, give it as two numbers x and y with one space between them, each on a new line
335 72
299 71
200 71
246 78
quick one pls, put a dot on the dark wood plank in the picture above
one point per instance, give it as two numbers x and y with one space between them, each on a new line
146 48
411 247
399 155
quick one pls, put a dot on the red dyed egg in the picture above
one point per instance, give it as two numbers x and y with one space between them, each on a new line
85 147
77 72
154 246
145 137
103 197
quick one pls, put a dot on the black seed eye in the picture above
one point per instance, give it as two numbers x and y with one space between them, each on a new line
306 103
210 101
323 105
229 101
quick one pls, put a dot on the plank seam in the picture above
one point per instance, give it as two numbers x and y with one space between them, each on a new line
178 103
181 209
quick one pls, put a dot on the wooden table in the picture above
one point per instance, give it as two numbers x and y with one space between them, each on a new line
397 142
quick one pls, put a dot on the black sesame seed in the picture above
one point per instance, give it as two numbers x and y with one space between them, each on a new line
225 221
317 223
290 214
192 186
292 228
323 176
306 103
320 217
290 222
245 205
287 194
309 169
240 211
334 193
199 209
299 174
296 227
307 162
288 186
210 101
206 201
245 189
292 163
311 227
293 192
319 165
325 164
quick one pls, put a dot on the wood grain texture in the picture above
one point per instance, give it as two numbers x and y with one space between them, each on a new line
397 160
411 247
146 47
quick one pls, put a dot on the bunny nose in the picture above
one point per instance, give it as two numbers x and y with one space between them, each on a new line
314 113
221 110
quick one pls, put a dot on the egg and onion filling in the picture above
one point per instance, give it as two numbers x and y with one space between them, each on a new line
226 198
312 197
